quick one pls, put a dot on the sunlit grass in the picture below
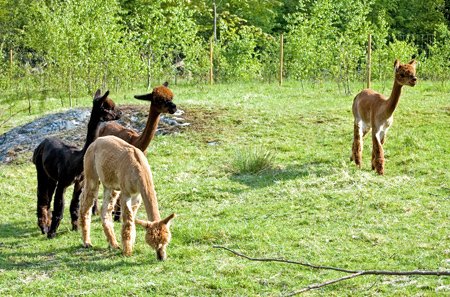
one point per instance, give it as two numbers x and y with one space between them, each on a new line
309 203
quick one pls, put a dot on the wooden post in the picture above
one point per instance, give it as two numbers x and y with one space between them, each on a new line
369 57
281 59
211 73
10 66
215 21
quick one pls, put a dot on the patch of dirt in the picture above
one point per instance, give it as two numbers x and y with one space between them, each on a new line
70 127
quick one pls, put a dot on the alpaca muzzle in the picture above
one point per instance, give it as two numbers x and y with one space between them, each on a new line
161 254
171 107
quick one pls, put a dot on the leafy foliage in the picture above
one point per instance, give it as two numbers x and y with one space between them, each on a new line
72 47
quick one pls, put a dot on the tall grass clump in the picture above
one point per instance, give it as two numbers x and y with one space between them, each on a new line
252 160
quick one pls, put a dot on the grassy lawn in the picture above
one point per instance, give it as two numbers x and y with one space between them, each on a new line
312 205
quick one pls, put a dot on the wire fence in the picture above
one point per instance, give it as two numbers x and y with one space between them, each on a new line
27 78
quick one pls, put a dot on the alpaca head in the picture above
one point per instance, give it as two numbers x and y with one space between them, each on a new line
158 235
104 107
405 74
161 99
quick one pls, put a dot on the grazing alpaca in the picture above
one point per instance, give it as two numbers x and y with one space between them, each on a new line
59 165
371 110
121 166
160 102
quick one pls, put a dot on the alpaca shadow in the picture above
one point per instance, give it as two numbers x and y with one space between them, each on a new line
269 177
95 259
19 230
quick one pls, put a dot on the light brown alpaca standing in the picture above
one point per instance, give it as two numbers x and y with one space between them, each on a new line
121 166
371 110
160 102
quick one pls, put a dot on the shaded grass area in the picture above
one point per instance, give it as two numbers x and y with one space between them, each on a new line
313 205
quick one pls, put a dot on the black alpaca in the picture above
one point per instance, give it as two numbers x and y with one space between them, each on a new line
59 165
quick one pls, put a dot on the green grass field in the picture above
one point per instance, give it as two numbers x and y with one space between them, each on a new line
312 205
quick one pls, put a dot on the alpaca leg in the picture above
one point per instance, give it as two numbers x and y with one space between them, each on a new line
89 193
377 154
128 227
135 203
357 144
75 204
116 211
58 210
107 221
45 189
95 207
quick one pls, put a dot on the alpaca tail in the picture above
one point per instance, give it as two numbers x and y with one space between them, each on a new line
38 152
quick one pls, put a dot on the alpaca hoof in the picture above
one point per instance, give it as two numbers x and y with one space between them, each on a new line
115 246
51 235
87 245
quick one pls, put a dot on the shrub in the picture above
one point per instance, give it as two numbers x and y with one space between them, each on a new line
252 161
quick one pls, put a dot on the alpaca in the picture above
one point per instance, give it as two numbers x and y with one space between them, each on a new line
160 102
371 110
59 165
120 166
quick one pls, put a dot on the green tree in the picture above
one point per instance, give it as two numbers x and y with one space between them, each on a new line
82 42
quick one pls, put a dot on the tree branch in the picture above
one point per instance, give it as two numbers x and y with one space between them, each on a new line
318 286
354 273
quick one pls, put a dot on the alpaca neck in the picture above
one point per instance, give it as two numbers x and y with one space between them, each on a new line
392 102
91 132
150 129
148 194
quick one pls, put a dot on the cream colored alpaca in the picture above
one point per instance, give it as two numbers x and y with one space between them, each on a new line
121 166
371 110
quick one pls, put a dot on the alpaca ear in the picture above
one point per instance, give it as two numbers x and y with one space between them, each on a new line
166 84
97 93
396 65
105 95
141 222
102 98
168 219
146 97
413 62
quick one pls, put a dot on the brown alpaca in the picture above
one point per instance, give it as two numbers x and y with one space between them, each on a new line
121 166
371 110
160 102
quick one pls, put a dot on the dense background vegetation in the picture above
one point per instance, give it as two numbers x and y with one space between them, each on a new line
73 46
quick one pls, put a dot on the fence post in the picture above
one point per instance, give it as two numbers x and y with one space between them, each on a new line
211 74
281 59
369 58
10 66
